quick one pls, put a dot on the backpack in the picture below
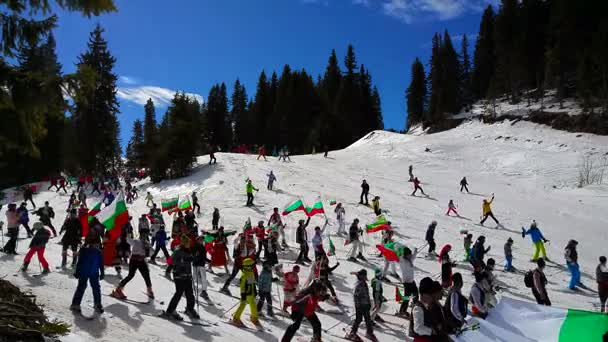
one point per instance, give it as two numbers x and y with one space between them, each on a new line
529 279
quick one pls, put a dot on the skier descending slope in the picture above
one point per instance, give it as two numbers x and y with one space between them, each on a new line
137 262
364 192
430 238
37 246
354 234
249 189
275 220
487 211
464 184
537 238
271 179
572 262
362 308
89 269
452 208
71 239
417 187
182 277
304 306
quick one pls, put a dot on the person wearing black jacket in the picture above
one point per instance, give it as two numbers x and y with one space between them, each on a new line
71 239
464 184
199 259
353 237
455 307
182 277
430 237
478 253
37 245
46 213
215 220
324 272
364 192
302 240
195 204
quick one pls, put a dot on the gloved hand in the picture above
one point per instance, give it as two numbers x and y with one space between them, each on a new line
101 275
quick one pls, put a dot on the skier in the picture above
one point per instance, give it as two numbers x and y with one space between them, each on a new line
364 192
478 298
572 262
53 181
182 277
467 243
249 189
488 283
212 159
46 213
137 262
149 199
417 187
478 253
71 239
324 271
62 185
537 238
160 240
195 204
199 259
24 218
12 222
96 187
239 253
509 255
37 245
362 308
82 197
89 269
215 219
219 251
452 208
248 294
325 155
377 295
262 152
430 238
260 233
446 266
286 155
353 237
143 226
265 280
487 211
601 276
341 218
271 179
275 220
317 240
28 195
304 306
291 286
464 184
376 205
302 240
273 247
424 326
455 308
406 263
539 283
410 170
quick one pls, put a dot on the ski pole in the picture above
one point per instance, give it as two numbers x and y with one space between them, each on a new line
232 307
350 318
197 294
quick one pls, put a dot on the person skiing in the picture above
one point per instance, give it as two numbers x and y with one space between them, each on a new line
265 280
37 246
199 260
137 262
326 154
417 187
195 204
160 241
509 255
376 205
464 184
291 286
275 220
377 295
452 208
487 211
249 189
353 237
248 294
149 199
71 239
341 218
537 238
478 253
317 240
212 159
324 271
61 185
271 179
286 155
410 171
46 213
215 219
260 234
539 283
364 192
571 256
24 218
467 243
362 308
182 277
28 195
262 152
601 277
302 240
478 297
423 323
53 183
430 238
446 266
406 263
12 223
89 269
304 306
456 306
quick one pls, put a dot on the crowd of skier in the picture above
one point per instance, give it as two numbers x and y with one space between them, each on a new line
194 252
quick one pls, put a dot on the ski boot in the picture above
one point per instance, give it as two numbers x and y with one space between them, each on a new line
46 270
118 294
379 319
172 315
270 312
370 335
192 314
75 308
225 290
360 256
24 267
204 295
150 293
257 323
353 337
99 309
152 261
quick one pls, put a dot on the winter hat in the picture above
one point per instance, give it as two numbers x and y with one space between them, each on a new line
296 269
509 239
426 286
602 259
491 262
377 272
362 274
541 262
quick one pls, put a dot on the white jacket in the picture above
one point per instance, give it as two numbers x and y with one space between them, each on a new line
138 247
407 268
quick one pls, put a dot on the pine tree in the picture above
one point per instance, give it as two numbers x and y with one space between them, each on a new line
240 114
135 148
261 109
451 76
347 102
416 95
150 138
332 78
272 131
465 73
435 83
182 132
483 60
219 127
508 52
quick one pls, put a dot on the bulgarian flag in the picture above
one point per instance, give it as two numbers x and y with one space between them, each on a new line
114 216
388 251
316 208
295 206
332 248
398 296
517 320
247 225
184 204
380 224
86 219
333 202
169 203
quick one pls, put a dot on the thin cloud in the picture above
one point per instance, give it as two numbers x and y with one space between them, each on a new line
128 80
161 96
410 11
366 3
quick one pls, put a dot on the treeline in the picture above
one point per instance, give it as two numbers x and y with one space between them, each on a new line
523 49
41 132
288 110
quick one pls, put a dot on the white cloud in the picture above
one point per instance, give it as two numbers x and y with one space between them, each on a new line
412 10
127 80
161 96
366 3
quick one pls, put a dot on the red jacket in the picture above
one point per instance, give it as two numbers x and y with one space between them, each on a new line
308 304
260 233
291 281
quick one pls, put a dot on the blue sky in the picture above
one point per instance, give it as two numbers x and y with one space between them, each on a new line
164 46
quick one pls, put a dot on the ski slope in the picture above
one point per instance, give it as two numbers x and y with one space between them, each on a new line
532 170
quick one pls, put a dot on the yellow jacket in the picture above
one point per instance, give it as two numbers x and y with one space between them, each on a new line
376 204
247 284
485 206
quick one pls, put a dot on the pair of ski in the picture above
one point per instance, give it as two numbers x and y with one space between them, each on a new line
472 327
195 322
355 338
258 327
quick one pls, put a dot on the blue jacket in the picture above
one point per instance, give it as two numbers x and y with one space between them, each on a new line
24 217
535 234
161 237
90 263
265 281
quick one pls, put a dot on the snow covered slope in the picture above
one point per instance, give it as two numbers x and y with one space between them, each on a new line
531 169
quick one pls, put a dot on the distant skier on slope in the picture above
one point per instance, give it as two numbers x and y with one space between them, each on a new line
487 211
601 277
37 246
341 218
509 255
249 189
262 152
430 237
452 208
417 187
376 206
364 192
275 220
212 159
571 256
271 180
410 170
464 184
537 238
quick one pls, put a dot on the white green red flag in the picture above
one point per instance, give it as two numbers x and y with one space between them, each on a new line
316 208
295 206
184 204
169 203
114 216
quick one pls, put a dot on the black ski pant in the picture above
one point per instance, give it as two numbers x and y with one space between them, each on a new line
27 228
265 297
11 245
158 248
212 160
432 245
464 186
62 187
31 200
539 298
360 314
416 189
235 271
182 286
364 193
489 214
53 185
303 256
47 222
197 206
142 267
96 189
262 244
298 317
329 286
249 199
